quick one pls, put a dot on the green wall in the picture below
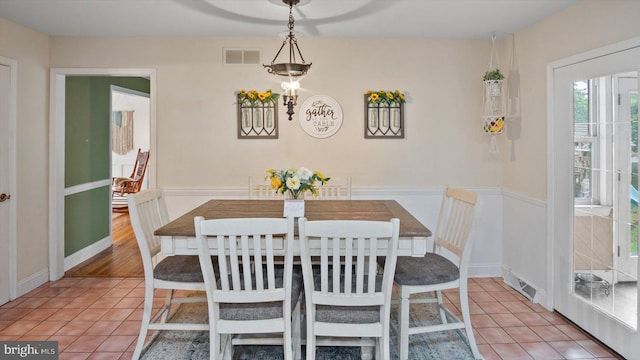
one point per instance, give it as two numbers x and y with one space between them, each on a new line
88 155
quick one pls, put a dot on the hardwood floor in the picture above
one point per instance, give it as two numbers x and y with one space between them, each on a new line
122 259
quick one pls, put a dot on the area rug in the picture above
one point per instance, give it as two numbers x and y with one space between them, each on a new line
194 345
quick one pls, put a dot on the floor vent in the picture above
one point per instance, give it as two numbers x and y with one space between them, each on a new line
521 286
241 56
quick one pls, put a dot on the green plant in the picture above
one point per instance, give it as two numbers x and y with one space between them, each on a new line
252 97
383 96
493 75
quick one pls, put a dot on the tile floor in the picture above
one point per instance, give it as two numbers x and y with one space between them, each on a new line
99 318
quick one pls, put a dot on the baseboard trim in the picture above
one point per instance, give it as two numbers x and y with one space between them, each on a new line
32 282
86 253
485 270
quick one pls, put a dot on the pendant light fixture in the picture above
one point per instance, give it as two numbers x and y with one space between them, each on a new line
291 70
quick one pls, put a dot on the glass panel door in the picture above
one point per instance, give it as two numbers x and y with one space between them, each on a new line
593 187
605 195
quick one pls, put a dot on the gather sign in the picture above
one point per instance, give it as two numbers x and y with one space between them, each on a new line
320 116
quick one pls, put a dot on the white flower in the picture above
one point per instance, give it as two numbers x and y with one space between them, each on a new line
293 182
304 174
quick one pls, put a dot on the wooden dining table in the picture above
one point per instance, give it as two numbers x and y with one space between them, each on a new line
178 236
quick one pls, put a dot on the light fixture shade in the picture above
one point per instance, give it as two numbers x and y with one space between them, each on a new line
288 69
291 69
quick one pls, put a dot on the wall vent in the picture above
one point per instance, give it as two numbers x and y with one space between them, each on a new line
241 56
521 286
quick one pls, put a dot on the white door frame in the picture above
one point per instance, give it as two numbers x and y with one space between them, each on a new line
560 200
57 148
10 137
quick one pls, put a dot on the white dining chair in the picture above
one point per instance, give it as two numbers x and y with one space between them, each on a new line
444 268
147 210
260 189
335 189
253 294
347 301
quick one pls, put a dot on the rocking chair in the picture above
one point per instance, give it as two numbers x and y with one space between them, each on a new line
121 186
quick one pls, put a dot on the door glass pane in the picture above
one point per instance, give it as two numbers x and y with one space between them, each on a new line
605 194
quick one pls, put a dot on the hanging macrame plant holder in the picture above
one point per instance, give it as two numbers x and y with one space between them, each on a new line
494 107
514 117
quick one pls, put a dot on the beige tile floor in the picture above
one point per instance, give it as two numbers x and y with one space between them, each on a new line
99 318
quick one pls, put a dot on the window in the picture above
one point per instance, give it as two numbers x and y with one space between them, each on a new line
585 144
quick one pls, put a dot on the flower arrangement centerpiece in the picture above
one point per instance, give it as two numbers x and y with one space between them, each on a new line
253 97
296 181
385 97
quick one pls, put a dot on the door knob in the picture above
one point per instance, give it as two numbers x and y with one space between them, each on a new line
4 197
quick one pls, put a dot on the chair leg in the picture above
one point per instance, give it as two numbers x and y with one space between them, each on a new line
443 315
167 303
214 345
385 347
296 342
311 341
146 319
464 309
403 324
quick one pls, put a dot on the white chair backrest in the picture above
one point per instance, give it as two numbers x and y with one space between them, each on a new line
260 189
454 223
245 248
335 189
354 245
148 212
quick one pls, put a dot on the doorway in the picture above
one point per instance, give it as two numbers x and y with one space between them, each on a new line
60 191
593 182
130 131
8 198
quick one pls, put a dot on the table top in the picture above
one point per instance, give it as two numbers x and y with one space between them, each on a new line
378 210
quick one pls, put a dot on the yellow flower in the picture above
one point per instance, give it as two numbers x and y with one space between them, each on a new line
251 95
276 182
262 96
242 92
374 97
368 92
389 96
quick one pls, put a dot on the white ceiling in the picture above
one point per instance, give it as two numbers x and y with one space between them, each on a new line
315 18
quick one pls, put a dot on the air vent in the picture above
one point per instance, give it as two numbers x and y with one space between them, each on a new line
241 56
521 286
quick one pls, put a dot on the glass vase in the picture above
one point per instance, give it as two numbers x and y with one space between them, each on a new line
373 117
246 117
257 118
269 118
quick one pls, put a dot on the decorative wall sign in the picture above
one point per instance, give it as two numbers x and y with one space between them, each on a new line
257 115
384 114
320 116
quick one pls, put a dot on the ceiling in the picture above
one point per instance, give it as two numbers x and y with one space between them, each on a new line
460 19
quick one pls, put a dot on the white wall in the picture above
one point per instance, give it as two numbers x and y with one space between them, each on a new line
31 51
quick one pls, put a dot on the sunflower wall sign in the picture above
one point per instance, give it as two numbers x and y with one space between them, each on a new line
384 114
257 114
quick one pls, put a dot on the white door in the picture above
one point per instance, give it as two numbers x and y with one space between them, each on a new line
590 196
7 173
